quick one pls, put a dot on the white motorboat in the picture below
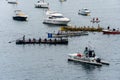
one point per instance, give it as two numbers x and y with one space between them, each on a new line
13 2
20 16
55 18
89 59
42 4
84 11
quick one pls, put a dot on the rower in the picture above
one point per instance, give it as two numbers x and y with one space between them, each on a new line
34 40
24 38
29 40
39 39
86 51
108 27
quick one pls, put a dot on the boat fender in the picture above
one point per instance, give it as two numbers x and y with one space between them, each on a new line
79 55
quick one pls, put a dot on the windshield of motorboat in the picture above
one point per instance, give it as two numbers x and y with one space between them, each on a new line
56 17
85 9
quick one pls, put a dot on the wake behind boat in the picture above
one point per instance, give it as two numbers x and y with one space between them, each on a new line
89 57
56 18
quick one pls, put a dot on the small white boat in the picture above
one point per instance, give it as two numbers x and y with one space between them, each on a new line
84 11
13 2
90 59
42 4
20 16
56 18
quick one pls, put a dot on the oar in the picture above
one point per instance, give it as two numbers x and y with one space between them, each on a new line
14 40
11 41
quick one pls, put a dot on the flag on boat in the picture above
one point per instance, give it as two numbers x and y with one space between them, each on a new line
49 35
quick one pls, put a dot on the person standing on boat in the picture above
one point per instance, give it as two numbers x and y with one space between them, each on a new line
86 51
24 38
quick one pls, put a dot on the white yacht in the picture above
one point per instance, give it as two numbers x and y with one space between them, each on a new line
84 11
55 18
42 4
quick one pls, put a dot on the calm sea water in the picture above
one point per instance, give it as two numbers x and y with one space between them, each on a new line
49 62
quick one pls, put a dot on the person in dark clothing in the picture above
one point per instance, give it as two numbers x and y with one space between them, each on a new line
24 38
86 51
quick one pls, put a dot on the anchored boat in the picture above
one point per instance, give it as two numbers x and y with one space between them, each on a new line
84 11
56 18
42 4
20 16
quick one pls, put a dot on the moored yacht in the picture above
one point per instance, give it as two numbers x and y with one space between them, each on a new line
20 16
13 2
84 11
55 18
42 4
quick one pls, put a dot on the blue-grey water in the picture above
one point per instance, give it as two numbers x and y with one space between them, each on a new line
49 62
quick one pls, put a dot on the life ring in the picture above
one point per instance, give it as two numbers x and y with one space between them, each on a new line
79 55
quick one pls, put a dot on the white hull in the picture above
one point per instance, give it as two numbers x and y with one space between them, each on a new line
56 21
84 13
87 60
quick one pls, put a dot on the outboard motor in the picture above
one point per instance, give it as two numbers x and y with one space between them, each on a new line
98 60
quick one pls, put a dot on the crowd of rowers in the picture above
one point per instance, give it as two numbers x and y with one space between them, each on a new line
39 40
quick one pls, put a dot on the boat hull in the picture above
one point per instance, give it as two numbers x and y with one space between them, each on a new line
63 41
13 2
19 18
56 22
90 59
86 62
111 32
85 14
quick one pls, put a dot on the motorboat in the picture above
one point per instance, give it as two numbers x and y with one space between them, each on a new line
111 31
84 11
42 4
53 17
20 16
13 2
90 58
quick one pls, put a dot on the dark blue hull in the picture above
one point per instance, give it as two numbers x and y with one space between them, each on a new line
18 18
